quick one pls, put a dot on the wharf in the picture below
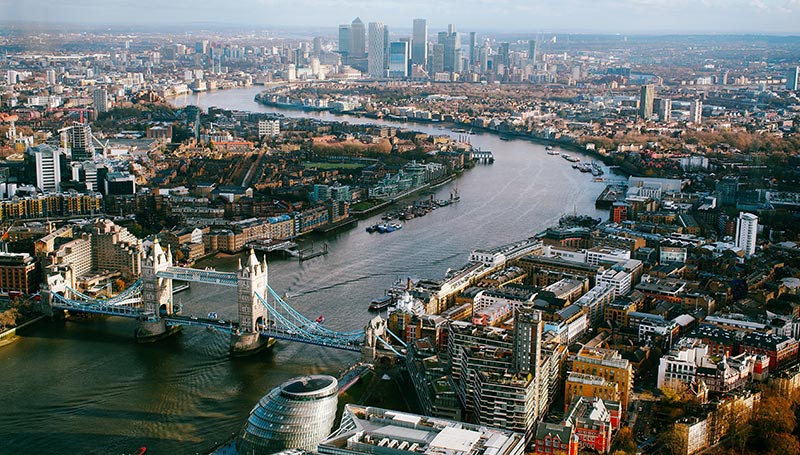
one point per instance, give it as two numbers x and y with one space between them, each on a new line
609 196
347 222
309 253
271 246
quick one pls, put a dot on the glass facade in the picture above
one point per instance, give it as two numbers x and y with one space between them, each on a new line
297 414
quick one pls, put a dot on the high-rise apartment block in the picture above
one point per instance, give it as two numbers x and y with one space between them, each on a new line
376 58
646 95
100 97
696 112
746 233
793 78
663 108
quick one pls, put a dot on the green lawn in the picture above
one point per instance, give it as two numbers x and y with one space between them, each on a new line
333 165
364 205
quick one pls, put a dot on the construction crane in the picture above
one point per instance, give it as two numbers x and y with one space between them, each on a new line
80 110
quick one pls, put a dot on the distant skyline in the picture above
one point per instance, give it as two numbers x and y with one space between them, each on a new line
576 16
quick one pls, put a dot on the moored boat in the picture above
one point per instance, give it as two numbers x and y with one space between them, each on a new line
381 303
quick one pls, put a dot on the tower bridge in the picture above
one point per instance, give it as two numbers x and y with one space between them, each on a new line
262 314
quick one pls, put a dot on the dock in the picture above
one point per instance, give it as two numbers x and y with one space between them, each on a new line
309 253
273 246
609 196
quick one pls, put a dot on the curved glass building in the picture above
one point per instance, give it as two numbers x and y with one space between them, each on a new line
298 414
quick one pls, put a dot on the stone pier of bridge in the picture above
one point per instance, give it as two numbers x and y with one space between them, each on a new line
251 278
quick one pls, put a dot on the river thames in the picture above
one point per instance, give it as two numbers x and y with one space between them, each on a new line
86 387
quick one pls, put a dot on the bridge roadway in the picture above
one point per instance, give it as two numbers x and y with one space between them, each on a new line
216 324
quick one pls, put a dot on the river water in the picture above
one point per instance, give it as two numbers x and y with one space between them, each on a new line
86 387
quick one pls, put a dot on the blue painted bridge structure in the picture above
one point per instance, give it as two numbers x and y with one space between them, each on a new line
263 314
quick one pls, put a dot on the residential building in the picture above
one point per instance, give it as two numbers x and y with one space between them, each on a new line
607 364
646 95
793 78
590 386
269 128
696 112
100 98
747 233
663 109
595 301
376 58
19 272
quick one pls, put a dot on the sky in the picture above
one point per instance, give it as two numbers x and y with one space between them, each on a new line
574 16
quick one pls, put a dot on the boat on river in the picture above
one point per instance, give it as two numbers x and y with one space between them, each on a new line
381 303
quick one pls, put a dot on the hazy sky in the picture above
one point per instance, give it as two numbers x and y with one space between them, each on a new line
606 16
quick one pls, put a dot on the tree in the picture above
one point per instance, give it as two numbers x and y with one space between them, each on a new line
672 441
784 444
9 318
624 443
119 285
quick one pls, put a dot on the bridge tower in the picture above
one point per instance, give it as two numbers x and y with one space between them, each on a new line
156 294
252 278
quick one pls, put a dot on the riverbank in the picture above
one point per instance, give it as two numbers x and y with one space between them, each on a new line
10 335
567 145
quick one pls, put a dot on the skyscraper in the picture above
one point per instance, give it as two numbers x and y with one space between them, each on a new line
419 42
473 43
793 78
437 58
47 165
51 77
746 232
646 95
358 43
696 112
376 58
345 40
533 49
398 59
100 100
317 47
452 49
81 142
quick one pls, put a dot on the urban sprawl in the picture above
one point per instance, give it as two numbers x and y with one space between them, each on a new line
669 326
